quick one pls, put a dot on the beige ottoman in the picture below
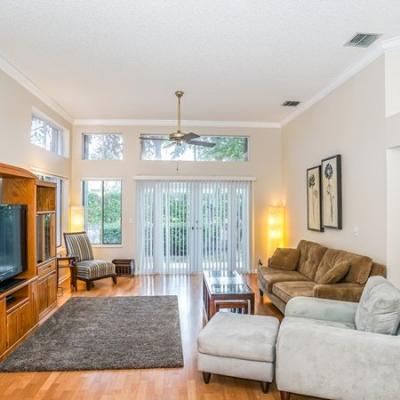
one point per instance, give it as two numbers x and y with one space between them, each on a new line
238 345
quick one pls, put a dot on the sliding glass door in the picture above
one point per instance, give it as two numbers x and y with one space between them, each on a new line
191 226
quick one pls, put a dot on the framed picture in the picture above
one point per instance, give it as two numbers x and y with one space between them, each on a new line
332 192
314 199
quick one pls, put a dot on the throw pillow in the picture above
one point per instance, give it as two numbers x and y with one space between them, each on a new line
379 307
286 259
336 273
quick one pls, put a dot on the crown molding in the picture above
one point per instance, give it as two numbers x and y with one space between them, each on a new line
25 82
375 52
171 122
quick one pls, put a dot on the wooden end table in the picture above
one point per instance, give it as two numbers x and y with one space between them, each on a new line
68 262
226 289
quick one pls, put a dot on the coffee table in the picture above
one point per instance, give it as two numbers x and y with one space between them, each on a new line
226 289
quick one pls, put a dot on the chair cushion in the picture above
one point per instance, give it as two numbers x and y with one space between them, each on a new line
286 290
333 274
269 276
78 245
246 337
286 259
379 307
310 256
360 266
92 269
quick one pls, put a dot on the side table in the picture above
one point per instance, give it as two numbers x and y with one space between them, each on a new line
124 267
67 262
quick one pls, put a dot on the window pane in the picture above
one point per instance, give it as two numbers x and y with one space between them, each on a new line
103 146
46 135
227 148
112 212
93 203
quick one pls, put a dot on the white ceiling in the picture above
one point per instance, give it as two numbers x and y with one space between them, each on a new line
236 60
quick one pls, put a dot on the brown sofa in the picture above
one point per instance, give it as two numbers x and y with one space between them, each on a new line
305 270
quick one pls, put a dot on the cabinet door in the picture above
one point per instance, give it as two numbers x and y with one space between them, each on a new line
52 289
3 334
12 328
42 293
25 319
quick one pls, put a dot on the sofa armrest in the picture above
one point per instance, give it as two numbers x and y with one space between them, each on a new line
339 291
337 363
321 309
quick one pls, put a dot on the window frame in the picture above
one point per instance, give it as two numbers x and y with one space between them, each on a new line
62 148
102 180
247 137
84 149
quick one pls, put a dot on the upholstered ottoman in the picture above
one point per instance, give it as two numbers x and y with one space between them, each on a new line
238 345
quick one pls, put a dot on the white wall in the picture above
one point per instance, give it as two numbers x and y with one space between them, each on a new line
351 122
16 105
392 81
264 165
393 210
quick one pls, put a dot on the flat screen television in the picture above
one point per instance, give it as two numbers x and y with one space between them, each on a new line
12 240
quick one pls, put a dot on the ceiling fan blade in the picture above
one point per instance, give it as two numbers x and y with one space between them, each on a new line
190 136
201 143
142 137
173 143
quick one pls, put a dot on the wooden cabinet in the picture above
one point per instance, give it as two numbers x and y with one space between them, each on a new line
47 293
3 332
12 328
19 322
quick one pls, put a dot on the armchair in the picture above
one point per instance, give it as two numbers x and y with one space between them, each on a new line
87 269
321 354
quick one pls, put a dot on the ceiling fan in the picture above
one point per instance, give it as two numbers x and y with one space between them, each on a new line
178 137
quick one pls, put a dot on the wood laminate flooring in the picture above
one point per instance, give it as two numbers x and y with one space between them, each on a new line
164 384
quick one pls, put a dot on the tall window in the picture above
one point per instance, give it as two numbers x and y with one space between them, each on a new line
47 135
103 146
102 202
227 148
59 205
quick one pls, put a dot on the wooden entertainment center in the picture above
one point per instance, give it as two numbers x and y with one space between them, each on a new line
36 295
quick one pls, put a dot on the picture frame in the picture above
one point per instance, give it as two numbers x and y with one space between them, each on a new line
314 199
332 192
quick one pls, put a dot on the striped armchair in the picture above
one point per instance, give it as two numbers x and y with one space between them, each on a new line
86 267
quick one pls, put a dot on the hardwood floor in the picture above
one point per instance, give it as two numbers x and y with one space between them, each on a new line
183 383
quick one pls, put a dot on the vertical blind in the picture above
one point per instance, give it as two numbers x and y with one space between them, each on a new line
191 226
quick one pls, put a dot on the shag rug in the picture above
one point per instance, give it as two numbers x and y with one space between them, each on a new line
90 333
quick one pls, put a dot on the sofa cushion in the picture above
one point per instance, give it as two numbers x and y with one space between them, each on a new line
360 266
268 276
92 269
379 307
334 274
344 291
310 256
286 290
246 337
286 259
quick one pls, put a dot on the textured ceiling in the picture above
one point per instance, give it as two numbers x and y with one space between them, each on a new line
235 59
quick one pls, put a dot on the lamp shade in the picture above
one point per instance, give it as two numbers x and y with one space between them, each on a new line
77 218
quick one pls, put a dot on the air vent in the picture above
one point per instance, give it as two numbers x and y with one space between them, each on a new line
363 40
290 103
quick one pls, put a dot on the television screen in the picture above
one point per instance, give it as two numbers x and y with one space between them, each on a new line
12 240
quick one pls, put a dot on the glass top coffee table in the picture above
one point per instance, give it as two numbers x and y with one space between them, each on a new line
226 289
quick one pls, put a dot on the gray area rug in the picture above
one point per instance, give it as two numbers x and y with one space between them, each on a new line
90 333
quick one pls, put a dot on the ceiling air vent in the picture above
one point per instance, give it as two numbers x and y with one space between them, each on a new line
363 39
290 103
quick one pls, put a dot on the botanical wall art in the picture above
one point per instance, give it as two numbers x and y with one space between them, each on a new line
314 199
332 192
